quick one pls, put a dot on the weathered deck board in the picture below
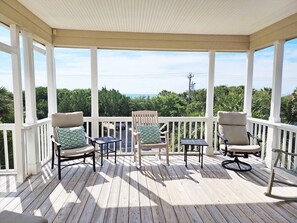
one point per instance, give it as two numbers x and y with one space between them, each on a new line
123 204
154 193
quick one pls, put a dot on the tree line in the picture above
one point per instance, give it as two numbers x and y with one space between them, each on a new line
167 103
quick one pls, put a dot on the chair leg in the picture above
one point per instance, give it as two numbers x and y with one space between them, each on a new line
139 157
270 183
59 166
53 157
94 166
167 155
134 152
160 154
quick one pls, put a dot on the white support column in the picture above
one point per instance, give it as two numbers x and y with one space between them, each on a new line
248 90
94 84
209 103
272 139
34 164
19 144
51 80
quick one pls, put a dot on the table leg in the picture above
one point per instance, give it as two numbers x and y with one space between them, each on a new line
107 148
115 152
201 156
101 151
186 148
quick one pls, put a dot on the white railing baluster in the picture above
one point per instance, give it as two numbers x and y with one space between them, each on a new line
263 145
126 143
6 150
172 136
178 136
215 138
295 151
14 150
185 129
284 142
290 149
190 129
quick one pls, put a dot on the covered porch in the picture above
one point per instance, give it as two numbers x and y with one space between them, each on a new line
29 185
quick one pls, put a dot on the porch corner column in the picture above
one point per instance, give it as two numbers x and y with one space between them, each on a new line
51 80
248 90
94 92
272 136
18 137
209 103
34 164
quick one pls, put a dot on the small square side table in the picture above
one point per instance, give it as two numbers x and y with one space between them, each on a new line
200 143
106 141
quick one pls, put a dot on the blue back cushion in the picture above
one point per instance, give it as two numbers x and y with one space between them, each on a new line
149 134
71 138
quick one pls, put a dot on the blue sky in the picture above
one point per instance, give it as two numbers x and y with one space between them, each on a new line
149 72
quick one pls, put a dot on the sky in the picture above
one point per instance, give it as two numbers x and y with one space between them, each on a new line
149 72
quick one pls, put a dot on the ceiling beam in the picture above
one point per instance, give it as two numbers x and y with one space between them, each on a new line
149 41
283 30
12 12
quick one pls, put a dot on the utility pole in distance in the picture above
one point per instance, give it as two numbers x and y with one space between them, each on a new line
191 85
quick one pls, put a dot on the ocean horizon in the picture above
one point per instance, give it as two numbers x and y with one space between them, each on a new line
140 95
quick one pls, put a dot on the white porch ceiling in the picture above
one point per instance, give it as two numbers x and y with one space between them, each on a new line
233 17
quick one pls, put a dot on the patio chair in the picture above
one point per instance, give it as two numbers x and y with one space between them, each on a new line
234 140
69 141
147 135
286 176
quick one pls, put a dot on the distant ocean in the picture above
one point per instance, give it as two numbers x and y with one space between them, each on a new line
140 95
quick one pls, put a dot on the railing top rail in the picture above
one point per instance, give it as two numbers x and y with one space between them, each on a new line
292 128
161 119
39 123
263 122
7 126
10 126
271 124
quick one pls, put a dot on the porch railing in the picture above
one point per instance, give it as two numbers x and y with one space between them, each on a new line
178 127
259 128
287 138
44 143
7 149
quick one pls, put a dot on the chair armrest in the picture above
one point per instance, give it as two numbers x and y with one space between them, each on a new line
225 142
222 137
55 142
281 151
136 136
134 133
91 139
255 137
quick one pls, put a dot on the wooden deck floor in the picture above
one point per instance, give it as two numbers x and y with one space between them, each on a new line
157 193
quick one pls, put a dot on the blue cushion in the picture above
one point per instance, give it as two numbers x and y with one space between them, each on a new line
149 134
71 138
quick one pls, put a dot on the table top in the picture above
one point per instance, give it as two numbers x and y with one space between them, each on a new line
194 142
107 139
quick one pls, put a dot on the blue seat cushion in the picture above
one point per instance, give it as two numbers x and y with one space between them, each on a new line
71 138
149 134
